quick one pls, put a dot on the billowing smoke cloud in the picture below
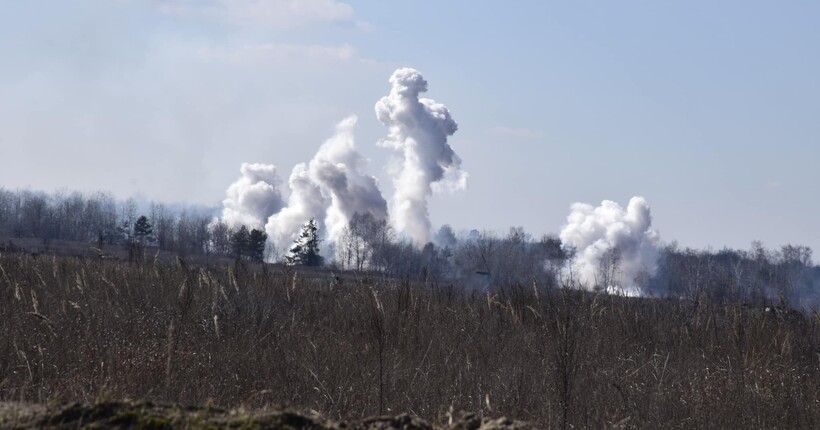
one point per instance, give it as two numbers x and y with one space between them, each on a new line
305 202
333 185
330 189
338 168
254 197
615 248
419 129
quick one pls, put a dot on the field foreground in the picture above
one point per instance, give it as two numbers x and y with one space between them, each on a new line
353 346
146 415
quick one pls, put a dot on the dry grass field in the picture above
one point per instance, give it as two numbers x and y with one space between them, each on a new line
256 336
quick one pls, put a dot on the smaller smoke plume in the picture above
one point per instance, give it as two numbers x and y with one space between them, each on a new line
254 197
418 128
615 247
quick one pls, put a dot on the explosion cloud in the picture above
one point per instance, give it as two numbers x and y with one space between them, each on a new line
418 129
254 197
333 186
330 189
337 168
614 247
305 202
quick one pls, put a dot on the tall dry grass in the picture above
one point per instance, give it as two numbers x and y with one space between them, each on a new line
73 329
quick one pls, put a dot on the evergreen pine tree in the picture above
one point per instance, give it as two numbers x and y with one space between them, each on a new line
240 243
256 245
143 230
305 249
138 239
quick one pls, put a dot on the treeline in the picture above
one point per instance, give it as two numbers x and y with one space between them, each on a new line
74 216
100 219
476 260
485 260
758 276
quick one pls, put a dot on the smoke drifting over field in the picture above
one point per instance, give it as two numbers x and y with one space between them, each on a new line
418 128
334 185
615 247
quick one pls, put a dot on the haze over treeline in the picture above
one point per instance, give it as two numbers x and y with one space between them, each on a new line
784 275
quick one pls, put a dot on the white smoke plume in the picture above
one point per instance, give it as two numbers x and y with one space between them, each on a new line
418 128
330 189
254 197
615 247
333 185
338 168
305 202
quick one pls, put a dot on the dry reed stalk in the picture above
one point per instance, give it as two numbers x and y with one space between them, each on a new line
40 277
18 292
23 355
233 278
109 283
183 289
79 283
35 304
45 320
5 275
169 362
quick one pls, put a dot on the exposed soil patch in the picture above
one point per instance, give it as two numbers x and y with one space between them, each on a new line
151 416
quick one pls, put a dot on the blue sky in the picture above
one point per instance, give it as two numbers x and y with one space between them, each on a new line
707 109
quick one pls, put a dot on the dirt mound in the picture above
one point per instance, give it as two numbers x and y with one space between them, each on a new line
151 416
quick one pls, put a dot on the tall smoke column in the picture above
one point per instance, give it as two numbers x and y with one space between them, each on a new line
305 202
596 231
254 197
419 129
338 168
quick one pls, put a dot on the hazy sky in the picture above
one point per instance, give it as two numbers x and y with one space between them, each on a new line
710 110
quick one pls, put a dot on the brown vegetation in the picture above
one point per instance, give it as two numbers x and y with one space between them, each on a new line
251 336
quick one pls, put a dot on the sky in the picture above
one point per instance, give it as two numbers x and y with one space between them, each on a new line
709 110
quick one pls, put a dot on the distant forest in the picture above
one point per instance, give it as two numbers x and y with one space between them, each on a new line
759 276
